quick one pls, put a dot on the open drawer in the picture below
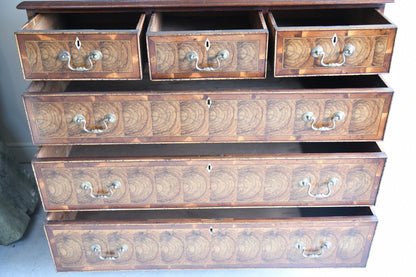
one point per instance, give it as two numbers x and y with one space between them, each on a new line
208 175
206 45
327 42
215 238
290 109
79 46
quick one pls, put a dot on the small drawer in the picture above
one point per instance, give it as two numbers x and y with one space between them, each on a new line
208 175
328 42
208 239
290 109
81 46
207 45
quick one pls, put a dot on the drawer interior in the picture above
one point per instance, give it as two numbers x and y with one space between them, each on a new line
84 21
201 150
206 21
337 82
328 17
216 215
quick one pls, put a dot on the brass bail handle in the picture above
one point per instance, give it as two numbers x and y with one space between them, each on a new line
318 51
309 116
307 182
65 56
222 55
111 255
313 253
80 120
108 194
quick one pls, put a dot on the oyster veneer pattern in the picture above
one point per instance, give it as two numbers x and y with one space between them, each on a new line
373 51
206 118
268 243
200 182
245 43
247 57
40 42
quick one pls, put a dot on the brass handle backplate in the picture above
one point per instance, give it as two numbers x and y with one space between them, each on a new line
111 255
113 186
307 182
80 120
95 55
313 253
222 55
318 51
309 116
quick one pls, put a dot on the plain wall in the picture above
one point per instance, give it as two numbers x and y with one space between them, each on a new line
14 130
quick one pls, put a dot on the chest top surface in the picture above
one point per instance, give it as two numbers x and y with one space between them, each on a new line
91 4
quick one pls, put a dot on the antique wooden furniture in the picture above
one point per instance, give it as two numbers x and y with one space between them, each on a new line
112 53
219 111
310 42
177 45
211 238
147 162
143 176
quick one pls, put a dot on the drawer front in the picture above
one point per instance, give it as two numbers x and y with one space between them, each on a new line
216 54
210 117
253 243
89 54
304 51
277 180
246 58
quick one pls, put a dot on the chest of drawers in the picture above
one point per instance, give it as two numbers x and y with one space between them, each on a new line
198 134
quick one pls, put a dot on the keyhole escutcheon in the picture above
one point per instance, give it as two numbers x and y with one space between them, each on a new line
334 39
207 44
77 43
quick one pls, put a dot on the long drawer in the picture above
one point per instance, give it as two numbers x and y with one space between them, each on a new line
213 175
76 46
205 239
293 109
337 41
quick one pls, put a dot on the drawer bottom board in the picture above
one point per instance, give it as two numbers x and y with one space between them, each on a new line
211 238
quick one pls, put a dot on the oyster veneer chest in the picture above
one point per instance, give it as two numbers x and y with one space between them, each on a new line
206 134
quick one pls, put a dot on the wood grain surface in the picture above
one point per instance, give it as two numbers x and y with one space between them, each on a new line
222 243
167 51
94 4
210 230
181 181
293 45
206 116
39 51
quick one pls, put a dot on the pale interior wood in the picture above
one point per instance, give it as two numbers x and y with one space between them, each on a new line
84 21
328 17
155 22
54 151
215 214
48 86
201 150
262 21
345 82
44 22
141 22
206 21
61 216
